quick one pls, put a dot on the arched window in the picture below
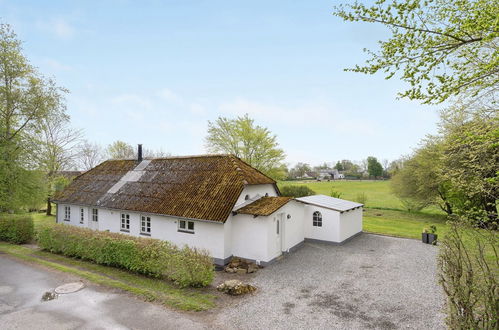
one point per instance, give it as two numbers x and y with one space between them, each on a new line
246 197
317 219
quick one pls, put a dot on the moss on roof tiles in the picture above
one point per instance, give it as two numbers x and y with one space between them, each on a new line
200 187
264 206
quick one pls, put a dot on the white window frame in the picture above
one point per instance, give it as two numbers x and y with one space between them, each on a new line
95 215
186 226
67 213
82 215
145 225
125 222
317 219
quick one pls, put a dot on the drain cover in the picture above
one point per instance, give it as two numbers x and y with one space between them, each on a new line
69 287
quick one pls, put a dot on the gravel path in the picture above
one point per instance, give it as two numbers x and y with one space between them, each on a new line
370 282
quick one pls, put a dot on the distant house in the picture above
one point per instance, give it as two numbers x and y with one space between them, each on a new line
330 174
214 202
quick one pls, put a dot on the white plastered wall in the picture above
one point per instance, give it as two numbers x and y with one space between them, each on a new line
207 235
256 189
330 230
350 223
249 237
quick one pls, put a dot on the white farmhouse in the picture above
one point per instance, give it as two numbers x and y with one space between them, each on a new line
214 202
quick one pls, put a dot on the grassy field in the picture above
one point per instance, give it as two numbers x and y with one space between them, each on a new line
378 192
384 213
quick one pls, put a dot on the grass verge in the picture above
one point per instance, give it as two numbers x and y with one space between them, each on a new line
148 289
402 223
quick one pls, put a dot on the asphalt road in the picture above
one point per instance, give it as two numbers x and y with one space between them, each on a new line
371 282
21 307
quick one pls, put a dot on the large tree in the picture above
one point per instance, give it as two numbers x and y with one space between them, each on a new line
90 155
254 144
442 48
26 98
58 147
120 150
374 167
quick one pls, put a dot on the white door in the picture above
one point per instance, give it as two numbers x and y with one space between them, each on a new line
277 223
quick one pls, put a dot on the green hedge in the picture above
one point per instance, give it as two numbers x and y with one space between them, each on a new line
296 191
184 266
15 228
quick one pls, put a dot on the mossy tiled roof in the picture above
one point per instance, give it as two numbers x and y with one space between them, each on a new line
264 206
199 187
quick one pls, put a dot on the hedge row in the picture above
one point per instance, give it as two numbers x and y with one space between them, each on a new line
184 266
15 228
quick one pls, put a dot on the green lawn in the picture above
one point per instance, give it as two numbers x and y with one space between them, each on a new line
402 223
149 289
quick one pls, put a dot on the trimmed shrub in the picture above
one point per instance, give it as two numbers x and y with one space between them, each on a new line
296 191
152 257
15 228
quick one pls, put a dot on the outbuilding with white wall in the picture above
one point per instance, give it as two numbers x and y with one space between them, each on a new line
329 219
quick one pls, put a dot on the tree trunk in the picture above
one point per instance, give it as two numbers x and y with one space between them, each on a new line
49 206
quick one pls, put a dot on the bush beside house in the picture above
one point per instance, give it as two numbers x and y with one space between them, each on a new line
15 228
184 266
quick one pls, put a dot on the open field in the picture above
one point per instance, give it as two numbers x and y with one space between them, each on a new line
378 192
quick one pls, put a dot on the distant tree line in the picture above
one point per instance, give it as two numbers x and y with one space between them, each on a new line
369 168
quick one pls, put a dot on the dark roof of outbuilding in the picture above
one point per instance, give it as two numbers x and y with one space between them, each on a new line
264 206
197 187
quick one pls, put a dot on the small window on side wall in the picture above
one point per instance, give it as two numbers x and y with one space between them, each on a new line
186 226
82 215
317 219
67 213
95 215
125 222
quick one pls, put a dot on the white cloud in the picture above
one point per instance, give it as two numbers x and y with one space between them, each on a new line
324 115
59 27
132 101
56 65
168 95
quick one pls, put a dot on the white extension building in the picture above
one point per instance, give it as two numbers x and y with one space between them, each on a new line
214 202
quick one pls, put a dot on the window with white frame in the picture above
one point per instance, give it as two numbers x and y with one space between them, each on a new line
186 226
145 225
125 222
95 215
82 215
67 213
317 219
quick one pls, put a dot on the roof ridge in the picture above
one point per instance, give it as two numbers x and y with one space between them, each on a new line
254 168
238 170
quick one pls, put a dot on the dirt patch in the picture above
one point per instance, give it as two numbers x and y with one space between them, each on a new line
288 306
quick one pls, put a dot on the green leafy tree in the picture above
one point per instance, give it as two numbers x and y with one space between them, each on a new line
441 47
26 98
254 144
339 166
471 162
374 167
120 150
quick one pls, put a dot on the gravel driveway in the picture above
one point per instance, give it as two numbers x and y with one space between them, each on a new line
370 282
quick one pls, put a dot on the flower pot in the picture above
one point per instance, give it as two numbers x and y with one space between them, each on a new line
432 239
424 237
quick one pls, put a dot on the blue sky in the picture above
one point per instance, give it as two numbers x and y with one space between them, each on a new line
155 72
